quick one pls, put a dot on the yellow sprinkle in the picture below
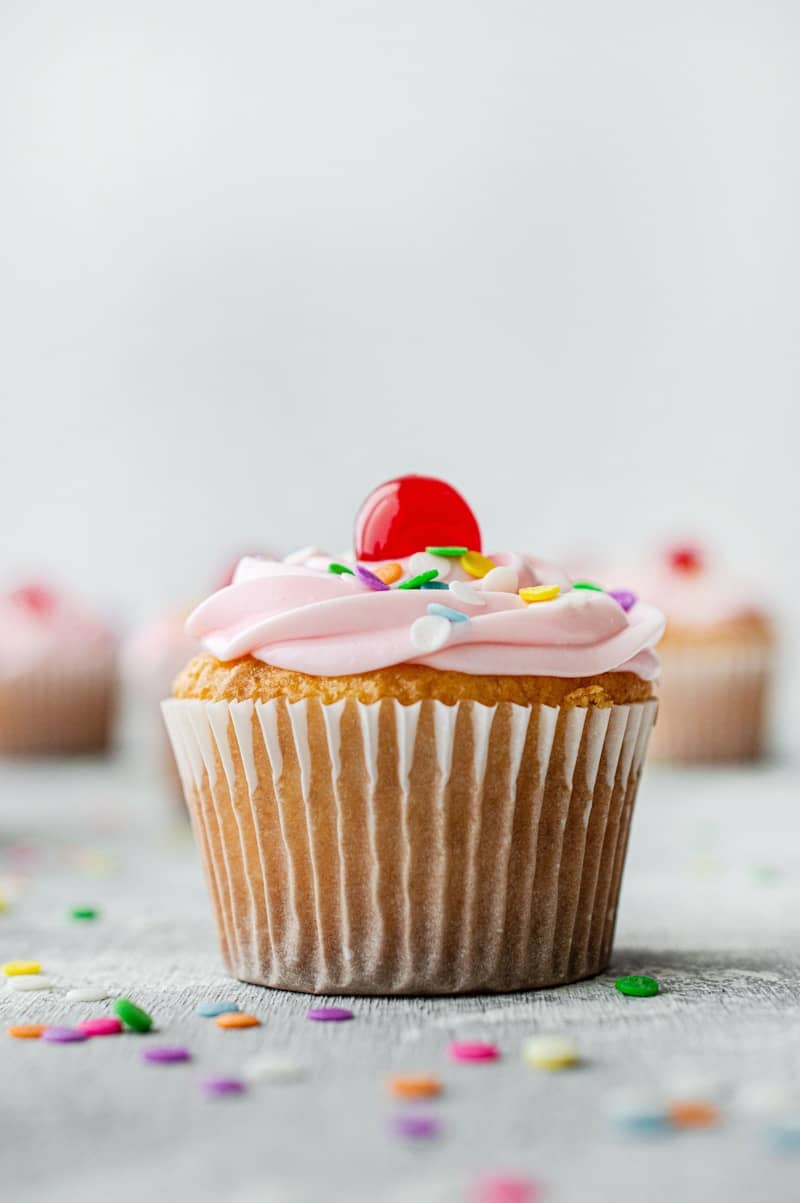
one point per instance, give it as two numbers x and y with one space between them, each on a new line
537 593
18 968
550 1052
2 904
476 564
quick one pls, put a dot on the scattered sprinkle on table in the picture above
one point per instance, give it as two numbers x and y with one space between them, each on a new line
58 1035
26 1031
539 593
29 981
783 1134
369 578
19 968
340 569
476 564
504 1188
273 1067
84 912
132 1016
413 1126
414 1086
638 1111
166 1055
210 1010
3 904
87 994
101 1025
453 553
220 1087
550 1052
637 985
693 1113
430 632
422 578
237 1019
473 1050
329 1014
447 612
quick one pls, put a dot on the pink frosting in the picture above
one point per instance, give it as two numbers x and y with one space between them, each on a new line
38 625
297 615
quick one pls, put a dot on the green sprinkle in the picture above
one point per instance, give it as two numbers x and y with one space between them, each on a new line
451 552
131 1015
83 912
588 585
340 569
637 986
417 581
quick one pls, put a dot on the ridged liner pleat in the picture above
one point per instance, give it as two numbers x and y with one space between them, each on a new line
59 708
425 849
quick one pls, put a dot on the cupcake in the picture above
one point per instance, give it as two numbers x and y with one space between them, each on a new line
58 674
412 770
717 656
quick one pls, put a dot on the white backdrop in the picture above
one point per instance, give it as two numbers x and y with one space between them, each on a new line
257 256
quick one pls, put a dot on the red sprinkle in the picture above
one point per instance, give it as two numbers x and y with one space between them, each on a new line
102 1025
473 1050
685 559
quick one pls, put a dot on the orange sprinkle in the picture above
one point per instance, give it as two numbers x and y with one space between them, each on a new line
236 1019
389 573
693 1114
414 1086
26 1031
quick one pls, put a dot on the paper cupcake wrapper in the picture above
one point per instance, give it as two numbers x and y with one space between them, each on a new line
59 708
713 704
423 849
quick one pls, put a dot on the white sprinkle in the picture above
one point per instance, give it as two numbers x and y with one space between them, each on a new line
29 981
88 994
550 1052
631 1105
467 593
272 1067
501 580
765 1098
423 561
430 633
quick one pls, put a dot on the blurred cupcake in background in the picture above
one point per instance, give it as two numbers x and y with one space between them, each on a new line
58 674
716 656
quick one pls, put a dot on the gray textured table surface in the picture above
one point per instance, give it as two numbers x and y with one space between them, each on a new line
710 905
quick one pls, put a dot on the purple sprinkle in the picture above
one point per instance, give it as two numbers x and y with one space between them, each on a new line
166 1056
369 578
222 1086
63 1035
625 598
414 1126
329 1014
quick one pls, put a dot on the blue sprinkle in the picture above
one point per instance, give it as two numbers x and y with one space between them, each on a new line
435 585
209 1010
446 612
784 1133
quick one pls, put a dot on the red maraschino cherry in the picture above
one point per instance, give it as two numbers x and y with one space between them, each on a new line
685 558
411 513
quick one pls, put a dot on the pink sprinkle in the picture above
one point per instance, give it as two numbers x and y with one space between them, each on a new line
473 1050
63 1035
369 578
102 1025
503 1188
166 1055
329 1014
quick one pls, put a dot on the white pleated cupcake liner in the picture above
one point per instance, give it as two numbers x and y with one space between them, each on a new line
713 703
423 849
57 708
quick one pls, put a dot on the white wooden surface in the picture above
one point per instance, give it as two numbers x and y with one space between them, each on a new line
711 906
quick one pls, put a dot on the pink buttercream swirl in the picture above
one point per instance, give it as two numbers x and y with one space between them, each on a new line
297 615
